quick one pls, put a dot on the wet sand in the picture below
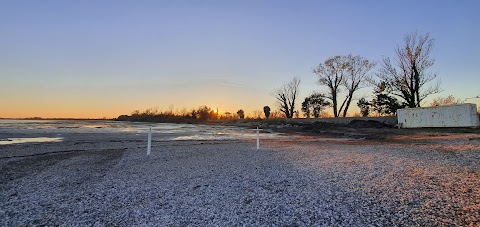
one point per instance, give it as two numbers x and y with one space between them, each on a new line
107 179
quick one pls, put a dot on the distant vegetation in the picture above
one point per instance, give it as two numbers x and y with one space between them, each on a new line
151 115
444 101
200 115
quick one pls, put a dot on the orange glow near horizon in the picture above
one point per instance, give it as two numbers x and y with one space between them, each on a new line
97 103
85 110
111 102
31 112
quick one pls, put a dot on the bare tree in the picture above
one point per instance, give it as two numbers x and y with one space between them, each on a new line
357 78
286 96
408 78
347 72
331 73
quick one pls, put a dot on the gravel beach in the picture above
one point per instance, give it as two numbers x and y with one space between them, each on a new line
107 179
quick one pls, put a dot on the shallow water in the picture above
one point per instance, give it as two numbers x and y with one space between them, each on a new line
30 140
160 131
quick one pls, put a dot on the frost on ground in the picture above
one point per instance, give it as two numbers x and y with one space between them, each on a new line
425 179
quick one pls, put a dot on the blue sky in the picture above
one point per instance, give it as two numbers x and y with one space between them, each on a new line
106 58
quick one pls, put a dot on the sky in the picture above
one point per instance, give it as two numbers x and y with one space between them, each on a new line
95 59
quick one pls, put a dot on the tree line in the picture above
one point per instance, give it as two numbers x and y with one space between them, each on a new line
403 82
200 114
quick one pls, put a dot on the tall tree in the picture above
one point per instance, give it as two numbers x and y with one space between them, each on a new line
287 95
343 72
407 79
331 73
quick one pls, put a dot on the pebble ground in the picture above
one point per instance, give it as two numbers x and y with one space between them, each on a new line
103 180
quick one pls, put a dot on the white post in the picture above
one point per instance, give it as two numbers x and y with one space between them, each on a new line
149 144
258 138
